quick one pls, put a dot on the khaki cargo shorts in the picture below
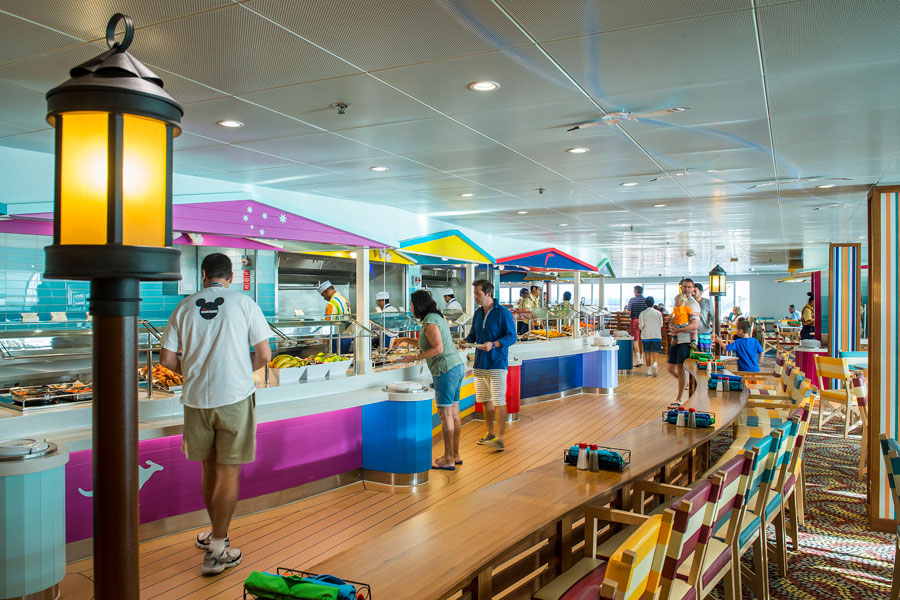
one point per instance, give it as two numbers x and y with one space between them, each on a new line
226 433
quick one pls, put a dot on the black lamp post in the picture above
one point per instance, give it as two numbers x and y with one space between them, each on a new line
113 226
717 290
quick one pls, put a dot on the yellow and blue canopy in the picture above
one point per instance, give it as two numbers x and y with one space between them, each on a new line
449 246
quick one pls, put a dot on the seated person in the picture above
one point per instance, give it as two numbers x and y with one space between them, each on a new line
746 348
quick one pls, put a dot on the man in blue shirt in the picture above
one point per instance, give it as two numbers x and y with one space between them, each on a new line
793 313
494 331
747 349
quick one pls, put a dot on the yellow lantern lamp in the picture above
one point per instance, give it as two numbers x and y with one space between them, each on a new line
113 226
717 282
113 201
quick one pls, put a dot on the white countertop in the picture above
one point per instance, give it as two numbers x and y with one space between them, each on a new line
163 415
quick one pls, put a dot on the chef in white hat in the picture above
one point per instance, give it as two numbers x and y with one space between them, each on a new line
450 299
337 304
383 303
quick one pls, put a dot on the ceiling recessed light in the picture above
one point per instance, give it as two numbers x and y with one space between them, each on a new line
680 220
594 233
578 150
825 186
379 169
628 184
467 195
522 212
563 224
484 86
658 205
229 123
862 237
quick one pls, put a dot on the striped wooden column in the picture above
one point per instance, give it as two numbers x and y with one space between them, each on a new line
884 332
844 298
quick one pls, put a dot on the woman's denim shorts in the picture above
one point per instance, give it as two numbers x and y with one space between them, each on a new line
447 386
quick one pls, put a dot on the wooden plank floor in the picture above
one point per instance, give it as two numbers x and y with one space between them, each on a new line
310 530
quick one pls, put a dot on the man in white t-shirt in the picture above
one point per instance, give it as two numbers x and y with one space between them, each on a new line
214 329
650 322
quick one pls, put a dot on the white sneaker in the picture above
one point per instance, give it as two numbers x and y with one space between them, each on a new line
653 370
213 565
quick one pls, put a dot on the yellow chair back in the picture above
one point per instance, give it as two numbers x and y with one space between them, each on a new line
635 567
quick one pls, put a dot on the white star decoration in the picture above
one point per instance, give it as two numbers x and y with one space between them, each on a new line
282 219
262 232
249 209
246 218
251 227
265 216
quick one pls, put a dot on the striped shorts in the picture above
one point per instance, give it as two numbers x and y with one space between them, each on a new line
490 386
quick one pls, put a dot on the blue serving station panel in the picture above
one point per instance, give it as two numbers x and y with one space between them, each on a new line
396 436
626 361
552 375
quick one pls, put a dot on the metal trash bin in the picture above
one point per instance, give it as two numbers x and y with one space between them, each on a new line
32 518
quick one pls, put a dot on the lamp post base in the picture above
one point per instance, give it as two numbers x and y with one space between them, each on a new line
114 306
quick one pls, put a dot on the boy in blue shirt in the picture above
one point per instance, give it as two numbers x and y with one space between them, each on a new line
746 348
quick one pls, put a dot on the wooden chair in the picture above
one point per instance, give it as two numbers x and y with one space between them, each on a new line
777 479
744 528
764 383
793 490
631 572
718 558
839 403
890 450
691 530
860 390
634 571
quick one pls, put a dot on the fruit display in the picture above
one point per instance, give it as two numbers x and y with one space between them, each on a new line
162 377
286 361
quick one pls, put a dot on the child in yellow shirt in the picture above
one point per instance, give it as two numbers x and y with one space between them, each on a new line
681 314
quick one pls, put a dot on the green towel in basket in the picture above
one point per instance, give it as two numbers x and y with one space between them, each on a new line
266 585
274 587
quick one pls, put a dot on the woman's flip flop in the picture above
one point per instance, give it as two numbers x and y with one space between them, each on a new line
444 468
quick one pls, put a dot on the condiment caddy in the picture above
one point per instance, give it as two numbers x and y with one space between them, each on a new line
692 418
593 457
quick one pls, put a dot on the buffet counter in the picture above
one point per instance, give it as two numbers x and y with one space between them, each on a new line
311 436
556 368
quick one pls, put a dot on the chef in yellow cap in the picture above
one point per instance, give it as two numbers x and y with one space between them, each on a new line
336 305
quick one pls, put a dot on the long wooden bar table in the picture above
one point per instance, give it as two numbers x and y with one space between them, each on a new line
511 537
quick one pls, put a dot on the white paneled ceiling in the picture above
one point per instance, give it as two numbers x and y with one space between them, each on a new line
778 90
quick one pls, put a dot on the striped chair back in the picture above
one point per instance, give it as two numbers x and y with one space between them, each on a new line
890 450
785 449
860 389
754 473
634 570
775 455
832 368
691 529
730 493
779 364
797 452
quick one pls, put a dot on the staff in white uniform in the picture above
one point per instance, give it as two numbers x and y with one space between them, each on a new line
452 302
383 305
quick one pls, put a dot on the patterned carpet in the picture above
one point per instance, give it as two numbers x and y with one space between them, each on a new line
839 558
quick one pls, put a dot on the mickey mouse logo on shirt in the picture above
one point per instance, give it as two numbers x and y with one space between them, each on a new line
209 310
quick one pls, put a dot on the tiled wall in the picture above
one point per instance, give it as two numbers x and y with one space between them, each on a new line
24 289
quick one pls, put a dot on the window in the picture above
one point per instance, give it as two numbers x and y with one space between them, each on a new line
612 293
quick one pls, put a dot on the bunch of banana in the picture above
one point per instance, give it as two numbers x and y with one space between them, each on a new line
285 361
322 357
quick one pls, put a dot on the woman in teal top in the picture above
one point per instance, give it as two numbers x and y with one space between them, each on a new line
447 370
